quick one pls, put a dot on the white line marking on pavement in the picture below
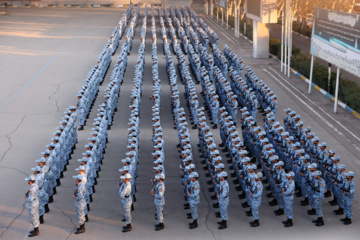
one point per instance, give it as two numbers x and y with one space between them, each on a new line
313 110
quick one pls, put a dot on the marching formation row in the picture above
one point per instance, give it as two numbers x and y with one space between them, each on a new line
50 167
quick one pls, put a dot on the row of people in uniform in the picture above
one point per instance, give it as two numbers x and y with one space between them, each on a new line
131 29
94 150
188 166
235 136
213 163
50 168
213 37
158 180
120 29
113 88
172 33
88 92
92 160
195 62
90 163
206 60
192 187
250 182
270 99
299 147
210 96
233 60
190 91
279 141
266 98
225 93
222 194
220 61
127 184
245 95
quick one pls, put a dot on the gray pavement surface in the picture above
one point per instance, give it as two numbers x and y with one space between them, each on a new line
45 56
304 43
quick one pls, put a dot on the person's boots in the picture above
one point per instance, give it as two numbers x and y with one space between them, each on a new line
344 219
255 223
285 222
86 218
193 225
218 215
46 208
127 228
91 198
242 196
298 194
223 225
249 213
51 199
327 194
88 207
34 233
159 227
132 207
311 212
339 211
279 212
316 220
333 202
305 202
81 229
289 223
245 204
273 202
81 128
41 219
320 222
348 221
214 197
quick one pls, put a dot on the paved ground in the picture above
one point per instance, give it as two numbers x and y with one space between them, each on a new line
46 54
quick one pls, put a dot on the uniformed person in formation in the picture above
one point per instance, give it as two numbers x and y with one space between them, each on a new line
349 191
194 198
126 200
158 193
223 198
80 203
255 195
318 188
288 188
32 203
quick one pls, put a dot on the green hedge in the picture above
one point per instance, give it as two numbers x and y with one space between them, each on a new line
349 91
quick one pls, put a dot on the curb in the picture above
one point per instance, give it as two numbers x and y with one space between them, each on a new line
328 95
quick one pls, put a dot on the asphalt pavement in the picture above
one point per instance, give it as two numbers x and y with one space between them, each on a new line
45 56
